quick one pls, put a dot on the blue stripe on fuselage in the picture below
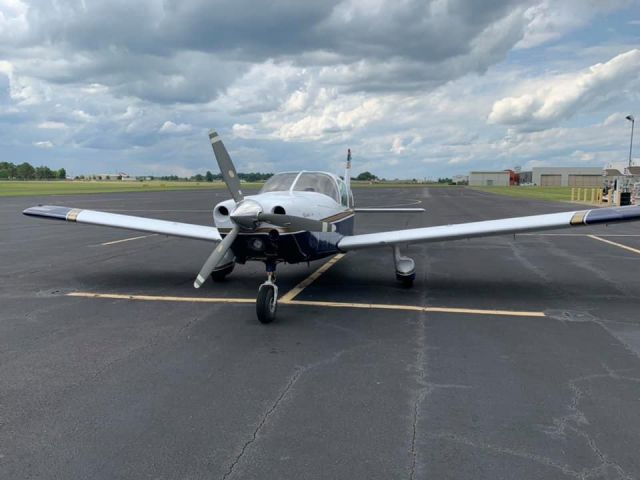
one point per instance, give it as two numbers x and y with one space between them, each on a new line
293 247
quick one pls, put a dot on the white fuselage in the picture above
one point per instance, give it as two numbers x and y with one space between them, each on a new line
334 205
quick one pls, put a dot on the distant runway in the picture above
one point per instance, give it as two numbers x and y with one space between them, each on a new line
509 358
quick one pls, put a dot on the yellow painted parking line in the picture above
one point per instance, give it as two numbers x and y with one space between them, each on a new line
295 291
368 306
634 250
128 239
414 308
160 298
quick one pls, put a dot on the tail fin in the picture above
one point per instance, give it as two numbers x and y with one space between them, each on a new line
347 171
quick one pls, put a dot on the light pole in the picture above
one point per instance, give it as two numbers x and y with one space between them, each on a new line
633 121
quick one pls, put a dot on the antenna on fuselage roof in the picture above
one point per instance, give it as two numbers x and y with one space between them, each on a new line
347 170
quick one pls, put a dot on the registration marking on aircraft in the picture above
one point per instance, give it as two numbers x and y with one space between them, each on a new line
295 291
368 306
616 244
128 239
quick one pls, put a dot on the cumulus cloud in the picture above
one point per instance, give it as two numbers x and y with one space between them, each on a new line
550 20
407 83
52 125
188 52
560 97
170 127
81 115
333 117
243 131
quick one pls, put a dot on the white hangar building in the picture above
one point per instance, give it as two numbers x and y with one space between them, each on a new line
567 176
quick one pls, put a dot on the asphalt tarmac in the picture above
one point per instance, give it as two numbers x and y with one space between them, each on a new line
525 365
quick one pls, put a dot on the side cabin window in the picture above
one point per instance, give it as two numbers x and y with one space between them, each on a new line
344 193
317 182
279 183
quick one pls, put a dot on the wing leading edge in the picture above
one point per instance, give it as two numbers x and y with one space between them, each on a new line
492 227
128 222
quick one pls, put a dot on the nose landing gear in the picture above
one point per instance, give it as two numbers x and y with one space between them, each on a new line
267 301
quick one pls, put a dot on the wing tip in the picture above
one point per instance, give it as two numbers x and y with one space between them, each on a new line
47 211
612 215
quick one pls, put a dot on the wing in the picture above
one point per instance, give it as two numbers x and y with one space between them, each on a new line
492 227
128 222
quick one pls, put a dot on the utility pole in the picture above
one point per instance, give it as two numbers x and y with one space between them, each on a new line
633 121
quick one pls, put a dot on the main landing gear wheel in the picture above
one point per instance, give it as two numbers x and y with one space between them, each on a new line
267 303
221 274
406 280
405 268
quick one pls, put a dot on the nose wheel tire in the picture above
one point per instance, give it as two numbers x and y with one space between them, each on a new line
266 304
221 274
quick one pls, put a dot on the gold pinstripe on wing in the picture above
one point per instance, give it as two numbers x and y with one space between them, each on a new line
73 214
578 217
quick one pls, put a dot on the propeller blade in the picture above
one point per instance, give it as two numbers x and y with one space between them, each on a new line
296 223
216 256
227 169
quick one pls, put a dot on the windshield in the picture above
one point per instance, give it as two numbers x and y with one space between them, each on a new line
279 183
317 182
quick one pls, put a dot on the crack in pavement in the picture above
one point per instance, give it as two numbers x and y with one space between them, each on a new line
421 373
576 418
507 451
281 397
421 395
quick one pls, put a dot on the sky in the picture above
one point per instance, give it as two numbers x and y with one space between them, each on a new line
416 88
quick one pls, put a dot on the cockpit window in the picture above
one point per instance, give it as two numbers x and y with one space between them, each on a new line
279 183
344 194
317 182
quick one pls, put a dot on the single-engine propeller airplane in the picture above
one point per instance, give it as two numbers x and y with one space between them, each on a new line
304 216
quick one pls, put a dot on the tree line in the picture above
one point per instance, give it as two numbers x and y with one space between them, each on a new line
247 177
26 171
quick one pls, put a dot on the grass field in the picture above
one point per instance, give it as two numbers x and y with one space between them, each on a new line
540 193
19 188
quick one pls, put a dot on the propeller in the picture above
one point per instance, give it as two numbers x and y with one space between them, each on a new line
230 177
247 214
216 256
227 169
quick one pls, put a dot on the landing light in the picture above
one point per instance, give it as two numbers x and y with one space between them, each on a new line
257 244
